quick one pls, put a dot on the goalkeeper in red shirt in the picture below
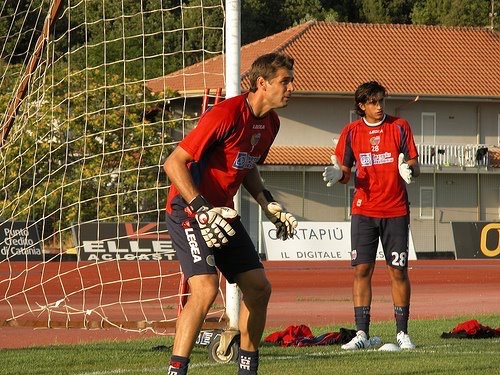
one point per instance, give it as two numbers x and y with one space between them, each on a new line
383 152
206 170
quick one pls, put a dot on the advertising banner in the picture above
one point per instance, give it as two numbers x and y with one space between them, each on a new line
123 241
316 241
20 241
476 240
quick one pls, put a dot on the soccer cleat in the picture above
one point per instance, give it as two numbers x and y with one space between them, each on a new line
361 341
404 341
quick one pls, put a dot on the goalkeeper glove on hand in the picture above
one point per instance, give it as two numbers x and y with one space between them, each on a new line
333 173
212 220
405 170
284 221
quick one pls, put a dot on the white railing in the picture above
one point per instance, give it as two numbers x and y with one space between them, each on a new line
453 155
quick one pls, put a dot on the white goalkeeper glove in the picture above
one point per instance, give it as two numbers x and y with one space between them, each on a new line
333 173
405 170
284 221
212 220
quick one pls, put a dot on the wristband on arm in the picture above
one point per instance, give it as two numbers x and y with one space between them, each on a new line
199 203
267 194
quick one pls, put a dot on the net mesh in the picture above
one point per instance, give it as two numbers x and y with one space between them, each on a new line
82 241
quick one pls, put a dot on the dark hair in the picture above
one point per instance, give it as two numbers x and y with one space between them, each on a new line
368 91
266 67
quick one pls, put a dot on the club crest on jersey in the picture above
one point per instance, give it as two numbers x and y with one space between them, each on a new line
374 141
354 254
254 140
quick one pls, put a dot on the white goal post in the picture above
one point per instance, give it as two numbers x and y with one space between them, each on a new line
82 236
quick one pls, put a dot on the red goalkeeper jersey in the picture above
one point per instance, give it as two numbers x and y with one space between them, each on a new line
373 150
225 145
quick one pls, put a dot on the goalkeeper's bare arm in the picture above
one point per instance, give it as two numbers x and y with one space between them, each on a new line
283 220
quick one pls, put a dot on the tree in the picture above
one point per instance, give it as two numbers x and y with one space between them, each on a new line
451 12
89 152
260 19
139 39
203 37
386 11
346 10
295 11
21 22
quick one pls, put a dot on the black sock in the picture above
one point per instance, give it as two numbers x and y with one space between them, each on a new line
248 362
362 318
401 314
178 365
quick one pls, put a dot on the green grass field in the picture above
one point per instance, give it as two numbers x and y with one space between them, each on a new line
433 355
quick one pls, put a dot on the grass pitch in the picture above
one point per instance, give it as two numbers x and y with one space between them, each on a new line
433 355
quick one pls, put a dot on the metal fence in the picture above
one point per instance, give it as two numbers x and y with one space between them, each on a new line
453 155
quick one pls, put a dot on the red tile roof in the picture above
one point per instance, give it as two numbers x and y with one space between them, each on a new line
209 73
320 155
334 58
299 155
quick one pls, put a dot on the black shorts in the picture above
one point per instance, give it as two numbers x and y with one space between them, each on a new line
393 233
196 258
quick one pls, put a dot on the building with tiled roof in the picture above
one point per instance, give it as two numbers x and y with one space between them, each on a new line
412 61
443 80
331 59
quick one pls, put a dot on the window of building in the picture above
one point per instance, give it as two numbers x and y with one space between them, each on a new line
428 128
426 202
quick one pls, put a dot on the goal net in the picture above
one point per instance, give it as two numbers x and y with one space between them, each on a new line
83 141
